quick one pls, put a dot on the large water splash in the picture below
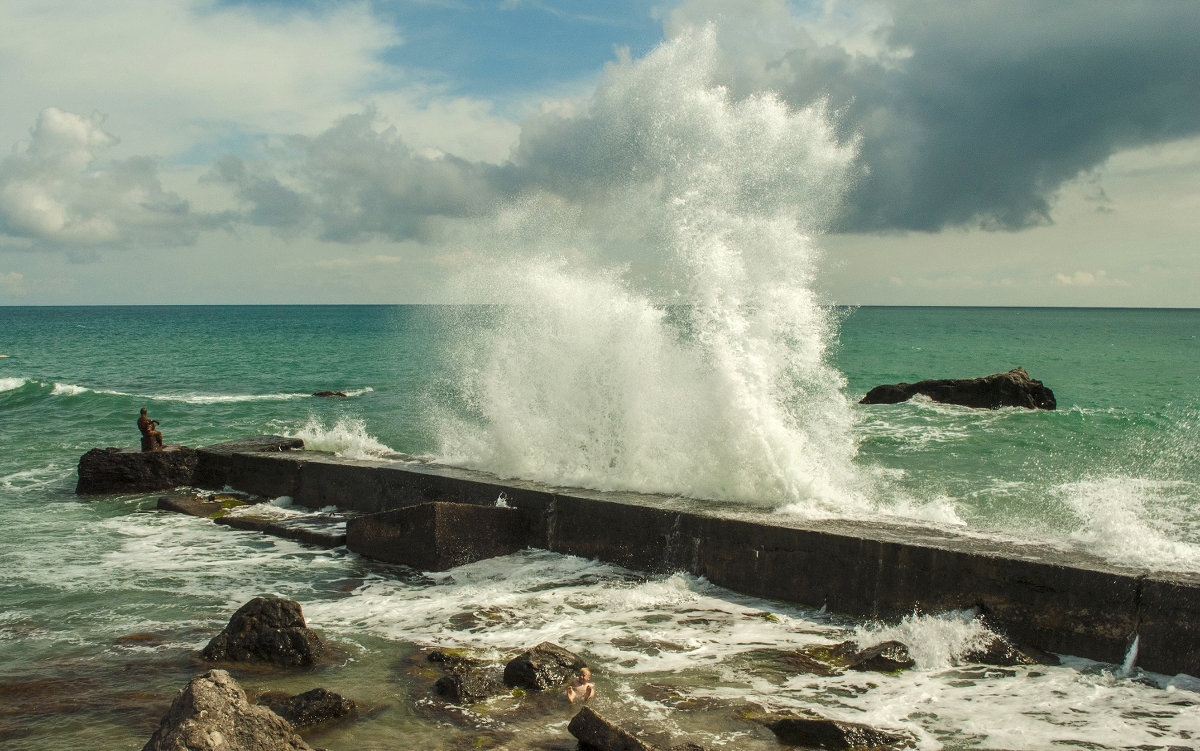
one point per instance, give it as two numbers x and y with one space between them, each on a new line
659 331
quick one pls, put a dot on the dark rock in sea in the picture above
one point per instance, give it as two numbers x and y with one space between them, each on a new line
1012 389
593 731
311 708
130 470
464 686
886 657
270 630
211 714
543 667
832 734
330 393
1003 653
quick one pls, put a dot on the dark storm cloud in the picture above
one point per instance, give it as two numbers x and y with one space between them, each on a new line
966 114
999 104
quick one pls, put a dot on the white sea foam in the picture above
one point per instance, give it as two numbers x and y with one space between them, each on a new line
933 641
12 384
590 379
347 437
1136 521
68 389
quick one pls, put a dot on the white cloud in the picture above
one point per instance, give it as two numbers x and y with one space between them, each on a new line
12 283
53 192
1088 279
174 72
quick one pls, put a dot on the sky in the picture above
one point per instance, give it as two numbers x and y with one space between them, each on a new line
293 151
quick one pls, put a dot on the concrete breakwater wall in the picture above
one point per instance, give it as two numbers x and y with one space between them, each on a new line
1058 601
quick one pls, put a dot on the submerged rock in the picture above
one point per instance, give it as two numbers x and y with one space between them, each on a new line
886 657
593 731
212 714
330 393
130 470
543 667
464 686
1012 389
311 708
832 734
268 630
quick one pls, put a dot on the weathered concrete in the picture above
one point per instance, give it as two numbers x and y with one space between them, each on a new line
1058 601
320 530
438 536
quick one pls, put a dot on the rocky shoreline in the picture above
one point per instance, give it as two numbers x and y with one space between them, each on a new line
214 713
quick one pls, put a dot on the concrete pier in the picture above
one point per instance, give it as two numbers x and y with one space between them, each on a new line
1064 602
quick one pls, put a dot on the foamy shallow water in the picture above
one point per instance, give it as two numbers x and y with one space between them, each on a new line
673 654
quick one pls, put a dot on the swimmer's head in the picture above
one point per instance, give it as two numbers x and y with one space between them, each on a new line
585 674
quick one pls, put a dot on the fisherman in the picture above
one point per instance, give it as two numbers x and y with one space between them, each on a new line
151 438
581 687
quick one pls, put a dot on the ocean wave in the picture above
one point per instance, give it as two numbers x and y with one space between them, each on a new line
933 641
1136 521
58 388
347 437
12 384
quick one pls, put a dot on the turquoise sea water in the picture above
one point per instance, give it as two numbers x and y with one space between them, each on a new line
1113 470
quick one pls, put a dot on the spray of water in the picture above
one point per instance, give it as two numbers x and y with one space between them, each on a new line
658 330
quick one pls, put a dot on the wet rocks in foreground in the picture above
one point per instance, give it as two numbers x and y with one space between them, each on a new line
468 685
1001 652
212 714
544 667
833 735
1012 389
593 731
269 630
131 470
311 708
885 657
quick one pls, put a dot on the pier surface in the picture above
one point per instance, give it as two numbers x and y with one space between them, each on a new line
1057 600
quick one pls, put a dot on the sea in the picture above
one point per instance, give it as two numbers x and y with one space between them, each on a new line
105 601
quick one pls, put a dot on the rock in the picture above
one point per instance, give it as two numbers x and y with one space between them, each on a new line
1003 653
545 666
130 470
311 708
267 630
467 686
212 714
1012 389
832 734
886 657
330 393
593 731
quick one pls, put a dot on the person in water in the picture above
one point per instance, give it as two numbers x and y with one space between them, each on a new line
151 438
581 687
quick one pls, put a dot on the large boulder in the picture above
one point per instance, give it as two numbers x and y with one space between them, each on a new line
311 708
270 630
468 685
833 735
130 470
212 714
544 667
593 731
1012 389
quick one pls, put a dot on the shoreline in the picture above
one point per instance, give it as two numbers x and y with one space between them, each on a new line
1067 603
